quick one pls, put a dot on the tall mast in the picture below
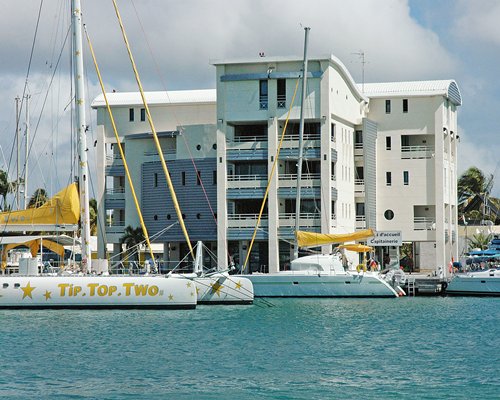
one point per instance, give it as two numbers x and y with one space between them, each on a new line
26 196
81 127
18 132
301 140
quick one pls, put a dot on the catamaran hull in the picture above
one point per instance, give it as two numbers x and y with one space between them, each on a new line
282 285
220 288
474 286
95 292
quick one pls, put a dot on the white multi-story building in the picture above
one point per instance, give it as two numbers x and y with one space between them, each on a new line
379 156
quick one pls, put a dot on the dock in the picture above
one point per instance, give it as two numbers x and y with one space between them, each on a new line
424 285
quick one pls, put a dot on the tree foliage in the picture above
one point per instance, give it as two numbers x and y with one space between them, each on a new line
480 240
38 199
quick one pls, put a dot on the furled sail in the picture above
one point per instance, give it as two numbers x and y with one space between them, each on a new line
357 247
62 209
312 239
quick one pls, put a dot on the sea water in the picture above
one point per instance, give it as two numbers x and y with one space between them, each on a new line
407 348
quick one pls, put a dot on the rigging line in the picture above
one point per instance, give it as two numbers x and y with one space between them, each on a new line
120 147
276 156
155 136
46 96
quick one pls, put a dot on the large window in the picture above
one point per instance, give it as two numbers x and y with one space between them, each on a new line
263 94
281 97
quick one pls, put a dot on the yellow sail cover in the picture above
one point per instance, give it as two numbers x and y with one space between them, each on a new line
312 239
62 209
357 247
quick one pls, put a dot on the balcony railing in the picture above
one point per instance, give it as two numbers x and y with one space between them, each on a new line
306 136
358 146
240 178
291 216
281 100
293 177
359 182
245 217
416 152
360 218
120 190
263 102
243 139
424 223
110 158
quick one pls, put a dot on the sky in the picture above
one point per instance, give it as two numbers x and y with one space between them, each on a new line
174 42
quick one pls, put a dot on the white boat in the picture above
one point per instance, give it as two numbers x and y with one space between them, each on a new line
477 283
217 287
321 275
32 289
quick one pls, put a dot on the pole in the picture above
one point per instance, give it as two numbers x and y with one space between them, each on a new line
18 150
301 140
26 153
81 127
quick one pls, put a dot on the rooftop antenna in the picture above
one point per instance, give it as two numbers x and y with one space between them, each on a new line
361 55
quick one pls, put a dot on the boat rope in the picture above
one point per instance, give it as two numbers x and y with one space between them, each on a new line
270 176
120 147
155 135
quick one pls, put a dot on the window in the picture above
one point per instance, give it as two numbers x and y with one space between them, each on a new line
214 177
388 178
263 92
387 106
198 177
183 178
360 209
388 143
143 114
333 132
405 105
358 139
130 114
156 180
406 178
281 98
389 214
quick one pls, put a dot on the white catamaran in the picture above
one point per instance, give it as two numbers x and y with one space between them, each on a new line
32 289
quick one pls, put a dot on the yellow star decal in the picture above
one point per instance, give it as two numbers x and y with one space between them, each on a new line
170 297
48 295
79 102
216 287
238 285
188 284
27 291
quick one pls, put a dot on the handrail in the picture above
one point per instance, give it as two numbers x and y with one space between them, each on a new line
301 215
242 139
239 217
359 181
243 177
292 177
307 136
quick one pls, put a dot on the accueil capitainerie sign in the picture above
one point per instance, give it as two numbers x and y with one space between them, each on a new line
386 238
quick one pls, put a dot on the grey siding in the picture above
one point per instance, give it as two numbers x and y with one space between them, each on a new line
370 171
158 207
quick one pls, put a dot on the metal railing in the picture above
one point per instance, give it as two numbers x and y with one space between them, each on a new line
306 136
120 190
263 102
416 152
110 158
301 215
239 178
240 217
293 177
359 182
424 223
244 138
281 100
358 146
166 152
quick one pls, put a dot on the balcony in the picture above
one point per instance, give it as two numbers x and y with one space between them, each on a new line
247 181
359 186
244 139
245 220
358 149
306 220
360 222
416 152
115 227
424 224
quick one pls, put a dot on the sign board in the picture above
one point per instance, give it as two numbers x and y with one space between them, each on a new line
386 238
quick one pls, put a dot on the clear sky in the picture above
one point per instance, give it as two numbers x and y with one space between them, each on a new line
174 41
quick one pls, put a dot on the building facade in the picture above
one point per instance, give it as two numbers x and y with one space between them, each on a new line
378 155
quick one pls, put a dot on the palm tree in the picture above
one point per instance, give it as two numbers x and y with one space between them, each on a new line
38 199
472 184
6 187
480 240
93 216
132 238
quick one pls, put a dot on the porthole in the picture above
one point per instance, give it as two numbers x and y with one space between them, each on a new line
17 285
183 216
389 214
198 147
169 216
214 146
5 285
198 216
155 217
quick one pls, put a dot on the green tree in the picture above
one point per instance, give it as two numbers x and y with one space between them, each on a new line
93 216
132 238
480 240
474 181
38 199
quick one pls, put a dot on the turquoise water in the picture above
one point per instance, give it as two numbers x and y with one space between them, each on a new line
418 348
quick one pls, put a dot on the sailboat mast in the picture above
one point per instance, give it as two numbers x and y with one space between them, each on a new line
81 127
301 140
27 144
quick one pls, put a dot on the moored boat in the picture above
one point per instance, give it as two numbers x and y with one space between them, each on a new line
477 283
